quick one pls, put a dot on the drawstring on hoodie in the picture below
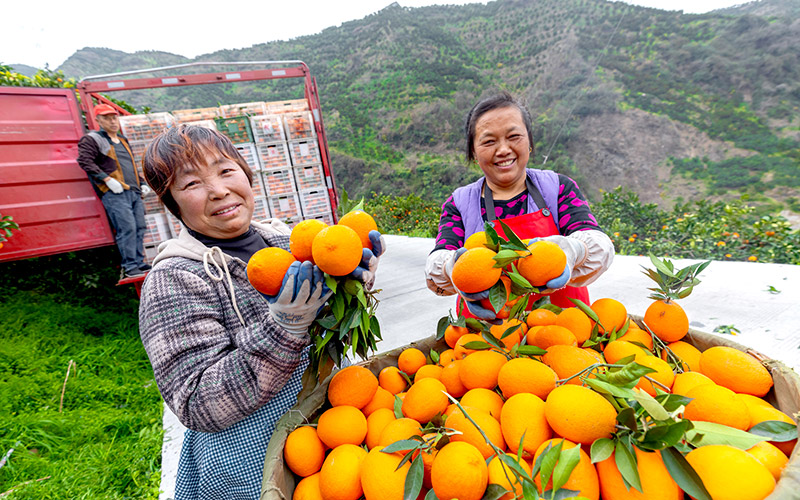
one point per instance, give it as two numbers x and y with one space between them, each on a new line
223 273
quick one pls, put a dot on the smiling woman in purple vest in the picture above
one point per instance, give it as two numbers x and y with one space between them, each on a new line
533 203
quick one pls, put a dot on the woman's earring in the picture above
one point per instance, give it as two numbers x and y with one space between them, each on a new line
530 150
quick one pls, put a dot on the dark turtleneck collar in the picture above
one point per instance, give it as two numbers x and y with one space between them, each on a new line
242 246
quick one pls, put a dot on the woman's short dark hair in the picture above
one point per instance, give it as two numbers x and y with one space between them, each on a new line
185 145
501 100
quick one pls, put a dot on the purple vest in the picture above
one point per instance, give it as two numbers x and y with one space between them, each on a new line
468 199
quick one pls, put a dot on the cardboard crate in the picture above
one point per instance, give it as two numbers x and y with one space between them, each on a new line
275 155
237 129
157 229
299 125
315 201
304 152
261 209
243 109
327 218
279 181
250 155
285 206
145 127
309 177
175 224
267 128
204 123
191 115
290 106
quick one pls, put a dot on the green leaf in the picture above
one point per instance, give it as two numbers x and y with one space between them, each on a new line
516 309
626 463
664 435
508 331
327 322
491 340
606 388
495 491
441 326
398 407
601 449
650 405
375 327
549 460
511 236
585 308
331 282
706 433
414 478
627 417
775 430
474 324
566 463
529 491
338 306
491 234
402 445
434 357
497 296
477 345
505 257
431 495
627 374
531 350
519 280
682 472
672 402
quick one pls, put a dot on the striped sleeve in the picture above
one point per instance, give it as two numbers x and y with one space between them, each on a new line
451 227
574 213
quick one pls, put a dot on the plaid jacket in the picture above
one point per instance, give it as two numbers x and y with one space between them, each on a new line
216 354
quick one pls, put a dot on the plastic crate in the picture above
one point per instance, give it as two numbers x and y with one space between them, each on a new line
279 181
237 129
285 206
153 205
150 252
191 115
145 127
175 225
157 229
138 148
289 106
275 155
267 128
243 109
315 202
299 125
304 152
327 218
261 209
258 185
204 123
309 177
250 155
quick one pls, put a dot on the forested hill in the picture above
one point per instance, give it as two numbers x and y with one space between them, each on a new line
670 104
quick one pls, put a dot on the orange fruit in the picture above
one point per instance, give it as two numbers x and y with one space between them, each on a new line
453 333
461 351
541 317
481 368
546 261
470 434
446 357
362 223
475 240
428 456
663 375
611 313
411 360
576 321
390 379
376 423
736 370
425 399
483 399
302 237
340 476
353 386
459 471
714 403
474 271
503 475
656 482
398 430
731 473
618 349
308 488
523 414
337 250
567 360
266 269
770 457
689 355
342 425
452 380
381 478
583 478
526 375
551 335
303 451
762 411
512 338
429 371
686 381
640 336
381 399
667 320
579 414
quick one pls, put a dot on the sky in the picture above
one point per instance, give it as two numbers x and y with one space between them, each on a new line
42 32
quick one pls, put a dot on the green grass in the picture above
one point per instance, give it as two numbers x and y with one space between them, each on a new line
105 442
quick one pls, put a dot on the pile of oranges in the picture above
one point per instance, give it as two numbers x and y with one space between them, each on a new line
478 416
336 250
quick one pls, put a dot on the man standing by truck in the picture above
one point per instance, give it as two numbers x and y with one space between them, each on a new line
107 157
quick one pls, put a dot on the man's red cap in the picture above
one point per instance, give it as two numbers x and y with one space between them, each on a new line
104 109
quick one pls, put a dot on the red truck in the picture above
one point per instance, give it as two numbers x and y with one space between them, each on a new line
50 196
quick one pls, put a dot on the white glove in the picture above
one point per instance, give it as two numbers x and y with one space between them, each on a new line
295 312
365 272
146 190
114 185
575 252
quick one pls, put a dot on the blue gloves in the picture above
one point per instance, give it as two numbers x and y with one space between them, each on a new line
473 300
574 250
365 272
302 295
